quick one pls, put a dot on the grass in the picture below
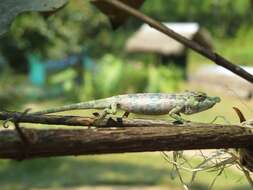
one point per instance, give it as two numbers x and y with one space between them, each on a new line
118 169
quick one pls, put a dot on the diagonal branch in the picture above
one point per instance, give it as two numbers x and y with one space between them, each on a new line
215 57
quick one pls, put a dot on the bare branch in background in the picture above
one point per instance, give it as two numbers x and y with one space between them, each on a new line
215 57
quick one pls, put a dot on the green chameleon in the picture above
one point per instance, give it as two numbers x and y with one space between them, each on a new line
147 104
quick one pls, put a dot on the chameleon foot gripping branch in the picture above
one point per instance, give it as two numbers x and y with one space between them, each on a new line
146 104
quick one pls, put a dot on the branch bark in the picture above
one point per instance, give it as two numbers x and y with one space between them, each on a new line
73 141
112 136
215 57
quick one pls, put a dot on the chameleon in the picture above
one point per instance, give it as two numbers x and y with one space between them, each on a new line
146 104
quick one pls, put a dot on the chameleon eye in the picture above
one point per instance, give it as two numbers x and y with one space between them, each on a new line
201 97
201 94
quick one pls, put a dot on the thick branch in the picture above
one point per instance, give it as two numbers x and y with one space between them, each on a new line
73 141
128 135
218 59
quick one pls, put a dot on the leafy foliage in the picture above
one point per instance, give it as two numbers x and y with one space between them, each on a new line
79 25
221 17
11 8
114 76
67 31
164 78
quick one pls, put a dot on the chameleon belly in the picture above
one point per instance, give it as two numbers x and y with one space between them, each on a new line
157 104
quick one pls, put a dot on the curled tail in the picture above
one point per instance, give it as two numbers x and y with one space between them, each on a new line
94 104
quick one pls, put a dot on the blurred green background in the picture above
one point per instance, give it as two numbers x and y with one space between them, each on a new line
80 29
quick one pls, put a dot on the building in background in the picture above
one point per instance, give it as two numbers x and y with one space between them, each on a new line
168 50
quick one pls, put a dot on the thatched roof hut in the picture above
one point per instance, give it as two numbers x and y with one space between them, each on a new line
149 40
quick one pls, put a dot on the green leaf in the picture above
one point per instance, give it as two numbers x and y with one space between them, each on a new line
9 9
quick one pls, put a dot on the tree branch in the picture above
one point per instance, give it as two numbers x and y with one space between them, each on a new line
147 135
73 141
215 57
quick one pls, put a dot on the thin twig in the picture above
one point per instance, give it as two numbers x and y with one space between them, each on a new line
176 156
216 177
166 157
202 167
70 120
80 121
247 175
242 168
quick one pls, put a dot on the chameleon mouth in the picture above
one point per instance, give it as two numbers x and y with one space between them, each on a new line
216 99
208 103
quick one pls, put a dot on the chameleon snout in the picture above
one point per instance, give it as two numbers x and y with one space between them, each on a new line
216 99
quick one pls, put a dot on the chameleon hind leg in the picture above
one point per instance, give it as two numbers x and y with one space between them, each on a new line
126 114
111 110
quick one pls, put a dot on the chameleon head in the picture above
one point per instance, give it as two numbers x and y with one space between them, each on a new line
199 101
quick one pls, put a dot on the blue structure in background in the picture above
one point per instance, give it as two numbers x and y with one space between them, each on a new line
40 69
37 71
52 78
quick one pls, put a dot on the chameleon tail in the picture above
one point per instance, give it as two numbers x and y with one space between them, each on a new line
94 104
63 108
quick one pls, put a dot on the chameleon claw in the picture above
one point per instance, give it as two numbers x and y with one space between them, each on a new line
111 110
126 114
178 122
96 114
100 116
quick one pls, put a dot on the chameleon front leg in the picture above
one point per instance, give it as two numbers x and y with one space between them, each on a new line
174 113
